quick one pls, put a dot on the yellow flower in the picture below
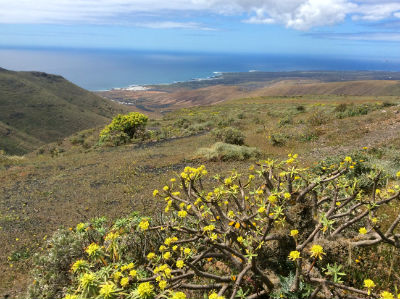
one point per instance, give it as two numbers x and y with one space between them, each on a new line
374 220
167 255
231 214
133 273
151 255
187 251
128 267
144 225
165 188
209 228
145 290
261 210
80 265
107 289
237 225
124 281
362 231
162 284
369 284
272 199
294 255
178 295
290 161
214 295
117 275
172 180
386 295
398 174
294 233
182 214
80 227
348 159
317 251
155 192
93 249
180 264
111 236
175 247
240 239
213 237
87 279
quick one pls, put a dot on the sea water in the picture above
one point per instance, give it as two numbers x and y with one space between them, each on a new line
107 69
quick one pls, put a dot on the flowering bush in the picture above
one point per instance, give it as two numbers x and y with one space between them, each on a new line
123 128
275 232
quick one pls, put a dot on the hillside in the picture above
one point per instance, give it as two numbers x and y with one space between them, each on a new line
159 99
38 108
78 181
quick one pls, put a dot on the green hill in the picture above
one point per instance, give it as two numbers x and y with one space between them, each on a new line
37 108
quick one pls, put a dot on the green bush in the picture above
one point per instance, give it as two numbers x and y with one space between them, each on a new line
123 128
228 152
229 135
317 118
52 274
287 120
300 108
353 110
278 139
182 123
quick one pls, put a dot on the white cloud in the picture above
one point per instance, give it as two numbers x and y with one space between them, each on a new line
296 14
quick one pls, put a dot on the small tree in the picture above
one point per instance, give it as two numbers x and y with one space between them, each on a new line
123 128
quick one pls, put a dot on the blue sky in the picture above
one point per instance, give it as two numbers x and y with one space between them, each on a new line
348 28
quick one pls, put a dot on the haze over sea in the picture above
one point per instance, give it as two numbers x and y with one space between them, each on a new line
107 69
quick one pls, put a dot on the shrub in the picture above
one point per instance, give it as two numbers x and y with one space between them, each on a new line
228 152
52 270
355 110
124 128
278 139
280 231
300 108
7 161
317 118
182 123
341 107
287 120
229 135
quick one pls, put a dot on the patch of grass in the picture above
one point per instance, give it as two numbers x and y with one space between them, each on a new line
228 152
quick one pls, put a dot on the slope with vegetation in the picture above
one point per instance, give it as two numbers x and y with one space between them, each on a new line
38 108
76 180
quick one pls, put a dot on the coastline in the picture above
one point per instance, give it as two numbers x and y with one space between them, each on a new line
148 87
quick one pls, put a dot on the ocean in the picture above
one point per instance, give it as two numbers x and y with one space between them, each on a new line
107 69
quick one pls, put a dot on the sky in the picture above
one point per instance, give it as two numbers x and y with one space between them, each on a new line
348 28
